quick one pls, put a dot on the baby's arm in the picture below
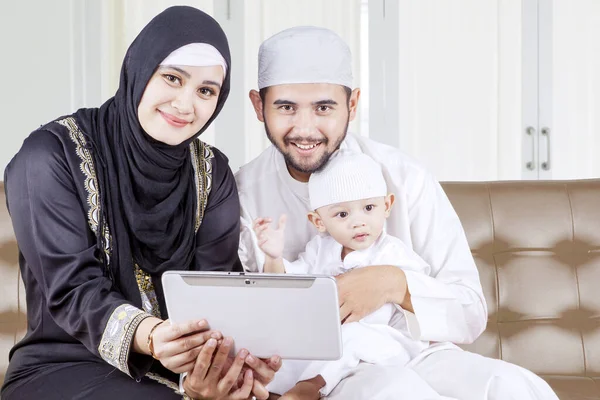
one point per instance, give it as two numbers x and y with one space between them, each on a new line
271 242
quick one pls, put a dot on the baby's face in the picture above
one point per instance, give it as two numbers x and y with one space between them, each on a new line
356 224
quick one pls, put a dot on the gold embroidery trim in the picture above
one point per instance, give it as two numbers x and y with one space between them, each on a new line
205 176
91 180
168 383
146 287
118 334
87 167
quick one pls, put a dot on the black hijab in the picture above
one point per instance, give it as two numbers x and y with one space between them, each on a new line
147 190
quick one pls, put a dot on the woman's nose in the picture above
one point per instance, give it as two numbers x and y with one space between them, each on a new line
183 102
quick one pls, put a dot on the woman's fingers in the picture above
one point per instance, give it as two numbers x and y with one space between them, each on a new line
229 380
175 331
184 368
184 344
179 362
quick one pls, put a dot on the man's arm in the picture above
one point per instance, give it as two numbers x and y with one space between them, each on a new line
448 304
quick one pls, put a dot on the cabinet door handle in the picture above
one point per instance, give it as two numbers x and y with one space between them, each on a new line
546 134
531 164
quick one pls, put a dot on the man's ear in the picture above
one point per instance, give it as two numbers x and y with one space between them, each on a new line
257 104
389 203
353 103
316 220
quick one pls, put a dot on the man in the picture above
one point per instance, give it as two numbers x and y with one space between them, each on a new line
306 103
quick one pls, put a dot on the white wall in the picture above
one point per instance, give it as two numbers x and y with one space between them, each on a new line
70 52
37 68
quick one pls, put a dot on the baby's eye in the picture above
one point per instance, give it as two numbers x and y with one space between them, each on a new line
342 214
369 207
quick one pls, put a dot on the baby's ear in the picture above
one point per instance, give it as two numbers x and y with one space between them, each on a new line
389 203
316 220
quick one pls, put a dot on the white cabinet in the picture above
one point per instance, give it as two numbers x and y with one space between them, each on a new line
469 87
574 119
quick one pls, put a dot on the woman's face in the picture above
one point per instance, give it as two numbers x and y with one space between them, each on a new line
178 101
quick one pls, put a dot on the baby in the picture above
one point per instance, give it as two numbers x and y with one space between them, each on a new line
350 205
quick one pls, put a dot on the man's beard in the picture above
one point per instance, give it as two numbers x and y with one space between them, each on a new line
320 163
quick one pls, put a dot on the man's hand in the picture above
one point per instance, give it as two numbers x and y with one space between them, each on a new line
207 381
264 372
270 240
365 290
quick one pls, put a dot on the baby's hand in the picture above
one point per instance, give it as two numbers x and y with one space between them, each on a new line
270 240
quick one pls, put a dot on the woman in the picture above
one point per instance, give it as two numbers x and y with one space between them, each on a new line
106 200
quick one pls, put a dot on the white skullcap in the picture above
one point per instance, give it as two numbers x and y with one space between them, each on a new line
196 55
348 176
304 54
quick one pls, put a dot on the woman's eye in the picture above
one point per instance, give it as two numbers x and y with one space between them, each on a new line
369 207
207 92
171 78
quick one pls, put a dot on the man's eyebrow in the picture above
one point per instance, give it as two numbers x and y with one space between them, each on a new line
283 101
181 71
327 102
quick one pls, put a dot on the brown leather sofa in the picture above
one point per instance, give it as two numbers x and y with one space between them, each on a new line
537 247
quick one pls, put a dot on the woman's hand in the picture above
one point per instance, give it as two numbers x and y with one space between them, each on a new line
176 346
211 380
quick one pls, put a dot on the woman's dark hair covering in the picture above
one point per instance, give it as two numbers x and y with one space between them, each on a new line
147 188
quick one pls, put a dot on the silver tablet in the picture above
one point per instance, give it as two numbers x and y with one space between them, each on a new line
293 316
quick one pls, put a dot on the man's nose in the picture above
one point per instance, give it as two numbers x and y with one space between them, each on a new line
305 122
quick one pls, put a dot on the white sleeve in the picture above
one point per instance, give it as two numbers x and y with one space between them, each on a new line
307 262
251 256
449 303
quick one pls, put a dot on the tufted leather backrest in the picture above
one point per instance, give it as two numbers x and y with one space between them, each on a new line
537 248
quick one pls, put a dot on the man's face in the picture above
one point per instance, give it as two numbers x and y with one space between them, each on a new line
306 122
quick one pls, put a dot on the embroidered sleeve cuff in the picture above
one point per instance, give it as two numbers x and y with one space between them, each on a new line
117 337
